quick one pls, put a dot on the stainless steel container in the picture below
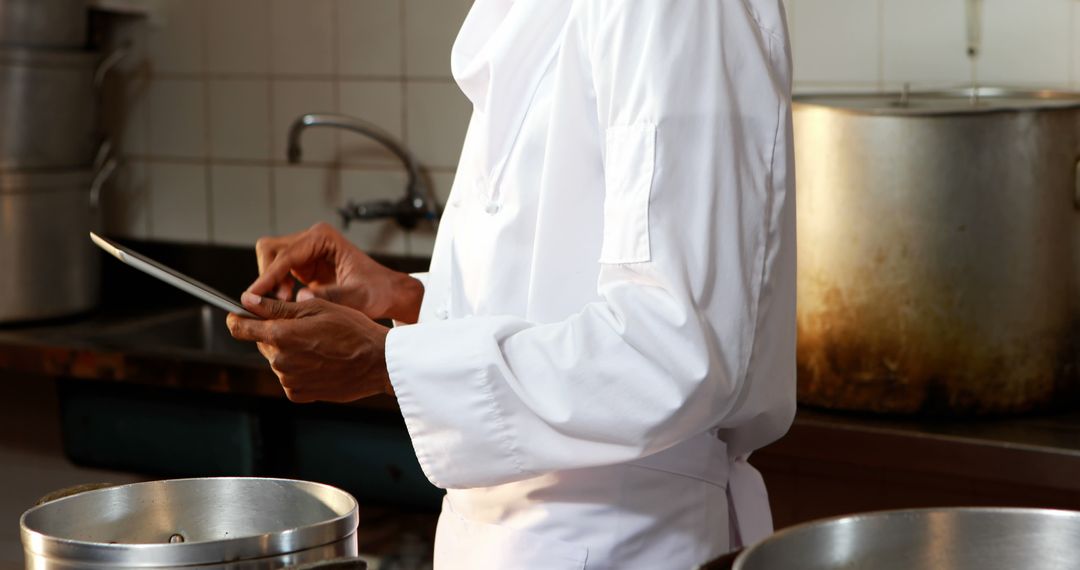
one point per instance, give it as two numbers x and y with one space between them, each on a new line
198 524
937 243
48 108
43 23
50 268
941 539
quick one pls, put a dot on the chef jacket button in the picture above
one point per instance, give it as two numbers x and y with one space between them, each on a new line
441 313
456 203
492 208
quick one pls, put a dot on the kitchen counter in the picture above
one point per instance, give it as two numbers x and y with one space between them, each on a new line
147 333
872 461
124 346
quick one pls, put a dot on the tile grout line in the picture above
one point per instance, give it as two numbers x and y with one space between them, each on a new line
208 144
271 186
881 45
148 189
403 62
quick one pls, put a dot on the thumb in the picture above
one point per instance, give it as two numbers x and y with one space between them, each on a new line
270 308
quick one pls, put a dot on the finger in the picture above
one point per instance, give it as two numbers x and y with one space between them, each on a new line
268 351
335 294
302 251
243 328
284 289
267 248
276 309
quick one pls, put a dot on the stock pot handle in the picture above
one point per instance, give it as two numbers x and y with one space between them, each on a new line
335 564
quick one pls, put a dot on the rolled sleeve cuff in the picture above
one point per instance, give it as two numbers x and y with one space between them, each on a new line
440 374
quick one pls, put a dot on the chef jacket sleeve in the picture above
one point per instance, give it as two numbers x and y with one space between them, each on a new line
691 220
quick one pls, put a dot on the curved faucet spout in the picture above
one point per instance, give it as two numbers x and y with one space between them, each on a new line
417 195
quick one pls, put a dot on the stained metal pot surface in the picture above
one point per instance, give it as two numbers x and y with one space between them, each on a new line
238 523
48 108
43 23
937 240
50 267
941 539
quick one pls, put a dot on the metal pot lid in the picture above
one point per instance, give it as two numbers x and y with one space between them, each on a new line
28 181
964 101
180 522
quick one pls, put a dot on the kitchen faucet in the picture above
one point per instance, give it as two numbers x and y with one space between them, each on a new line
418 203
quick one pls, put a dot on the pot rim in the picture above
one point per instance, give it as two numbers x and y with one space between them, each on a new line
169 555
991 100
782 535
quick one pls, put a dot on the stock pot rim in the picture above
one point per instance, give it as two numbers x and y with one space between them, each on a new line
786 534
168 555
939 102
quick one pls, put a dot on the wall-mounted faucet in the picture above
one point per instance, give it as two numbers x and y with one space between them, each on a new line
418 203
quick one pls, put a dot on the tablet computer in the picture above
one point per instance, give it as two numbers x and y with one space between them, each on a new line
172 277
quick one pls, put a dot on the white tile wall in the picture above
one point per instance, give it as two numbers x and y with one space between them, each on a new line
209 93
240 203
238 36
293 98
177 118
436 116
239 109
302 37
880 44
175 41
369 37
379 102
430 29
179 208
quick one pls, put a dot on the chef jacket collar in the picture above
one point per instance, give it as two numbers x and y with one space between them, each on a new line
500 55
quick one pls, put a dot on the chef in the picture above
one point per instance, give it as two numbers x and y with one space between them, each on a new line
607 329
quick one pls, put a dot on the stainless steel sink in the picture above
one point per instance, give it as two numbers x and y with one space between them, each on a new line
192 332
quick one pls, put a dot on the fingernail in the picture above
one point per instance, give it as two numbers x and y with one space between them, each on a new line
251 298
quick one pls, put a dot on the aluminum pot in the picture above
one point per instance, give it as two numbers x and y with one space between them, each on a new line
936 240
43 23
941 538
48 108
50 266
198 524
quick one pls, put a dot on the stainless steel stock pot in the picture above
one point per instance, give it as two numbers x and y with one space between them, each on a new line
196 524
939 250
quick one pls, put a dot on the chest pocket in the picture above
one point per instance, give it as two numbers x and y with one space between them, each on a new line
629 162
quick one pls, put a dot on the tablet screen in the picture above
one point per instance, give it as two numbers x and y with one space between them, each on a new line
171 276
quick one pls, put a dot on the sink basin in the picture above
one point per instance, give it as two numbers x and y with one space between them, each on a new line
195 331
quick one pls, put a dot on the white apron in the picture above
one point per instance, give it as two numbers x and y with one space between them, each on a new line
608 329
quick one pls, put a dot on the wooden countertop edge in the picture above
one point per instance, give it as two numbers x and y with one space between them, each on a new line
931 453
173 371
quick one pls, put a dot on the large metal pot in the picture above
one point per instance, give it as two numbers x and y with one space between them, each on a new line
50 268
48 108
199 524
936 237
941 539
43 23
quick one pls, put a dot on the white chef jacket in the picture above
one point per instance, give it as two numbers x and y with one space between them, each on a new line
607 329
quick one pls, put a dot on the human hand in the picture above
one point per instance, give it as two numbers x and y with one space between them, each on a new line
333 269
320 351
